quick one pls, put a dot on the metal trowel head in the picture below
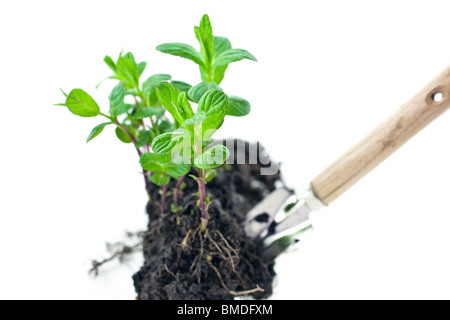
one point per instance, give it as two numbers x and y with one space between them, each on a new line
280 220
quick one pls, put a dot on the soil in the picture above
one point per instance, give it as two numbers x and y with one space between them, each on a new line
184 263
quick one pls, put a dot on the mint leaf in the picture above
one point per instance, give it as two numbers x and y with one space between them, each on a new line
232 55
183 86
185 106
219 73
127 71
160 179
238 107
178 170
145 112
215 104
65 94
148 88
182 50
122 135
210 174
150 162
153 162
141 67
143 138
116 100
196 92
96 131
204 36
164 143
212 157
214 100
166 126
189 124
110 63
220 44
168 97
82 104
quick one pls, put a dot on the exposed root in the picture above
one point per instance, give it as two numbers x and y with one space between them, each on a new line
120 250
171 273
233 293
185 243
197 258
232 253
121 253
149 232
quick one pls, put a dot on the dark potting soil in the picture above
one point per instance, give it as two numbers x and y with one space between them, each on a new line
184 263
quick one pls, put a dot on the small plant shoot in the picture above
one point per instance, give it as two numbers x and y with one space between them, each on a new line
170 123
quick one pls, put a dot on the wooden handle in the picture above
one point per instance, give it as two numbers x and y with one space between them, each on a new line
382 141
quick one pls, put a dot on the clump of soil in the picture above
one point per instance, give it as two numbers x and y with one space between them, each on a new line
184 263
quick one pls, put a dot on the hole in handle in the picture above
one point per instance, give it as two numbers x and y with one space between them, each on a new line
436 96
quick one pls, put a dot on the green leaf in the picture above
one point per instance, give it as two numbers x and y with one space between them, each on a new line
110 63
189 124
160 179
143 138
164 143
122 135
238 107
232 55
220 45
127 71
195 93
181 50
130 57
168 96
82 104
184 104
148 88
212 157
116 100
65 94
204 36
166 126
219 73
96 131
183 86
145 112
213 99
210 174
141 67
154 162
179 170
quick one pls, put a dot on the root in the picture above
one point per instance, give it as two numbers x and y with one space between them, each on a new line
184 244
121 254
234 258
198 257
171 273
233 293
121 250
231 256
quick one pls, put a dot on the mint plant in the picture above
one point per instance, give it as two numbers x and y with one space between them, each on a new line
171 147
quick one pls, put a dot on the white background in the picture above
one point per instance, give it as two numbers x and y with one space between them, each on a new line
328 71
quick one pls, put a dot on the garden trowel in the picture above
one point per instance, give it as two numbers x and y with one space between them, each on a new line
282 217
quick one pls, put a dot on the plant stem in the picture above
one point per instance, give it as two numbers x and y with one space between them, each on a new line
201 197
177 190
163 197
106 116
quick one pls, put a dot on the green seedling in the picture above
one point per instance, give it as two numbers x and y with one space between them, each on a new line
171 147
